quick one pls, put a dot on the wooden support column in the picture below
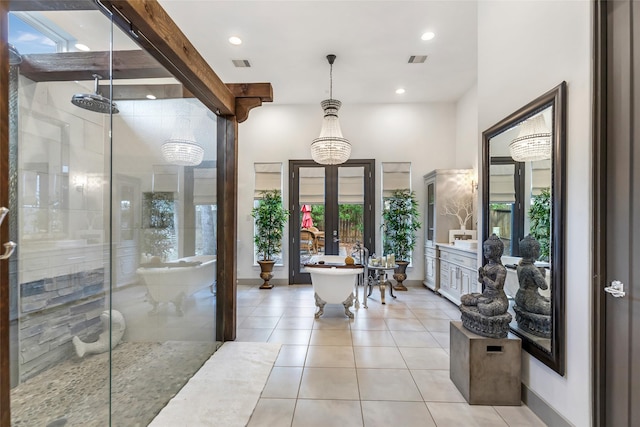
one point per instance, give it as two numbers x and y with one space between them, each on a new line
227 194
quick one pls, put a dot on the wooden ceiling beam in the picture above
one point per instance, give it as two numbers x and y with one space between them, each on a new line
153 28
69 66
249 96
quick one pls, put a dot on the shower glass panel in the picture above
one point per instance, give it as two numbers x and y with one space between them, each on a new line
59 203
114 234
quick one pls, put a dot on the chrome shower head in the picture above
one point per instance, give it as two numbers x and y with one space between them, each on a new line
94 101
14 56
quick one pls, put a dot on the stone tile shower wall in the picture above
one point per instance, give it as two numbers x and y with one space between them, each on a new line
54 309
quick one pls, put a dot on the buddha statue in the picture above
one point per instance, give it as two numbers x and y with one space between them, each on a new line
486 313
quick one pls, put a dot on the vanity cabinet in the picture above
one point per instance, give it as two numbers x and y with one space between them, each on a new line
431 269
441 186
458 272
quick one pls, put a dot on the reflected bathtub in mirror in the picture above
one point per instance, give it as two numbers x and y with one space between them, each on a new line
523 193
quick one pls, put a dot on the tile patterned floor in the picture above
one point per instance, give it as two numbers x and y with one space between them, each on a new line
387 366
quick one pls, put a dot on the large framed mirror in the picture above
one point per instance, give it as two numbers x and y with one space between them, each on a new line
523 167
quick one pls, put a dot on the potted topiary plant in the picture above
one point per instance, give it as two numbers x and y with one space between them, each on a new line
270 219
400 223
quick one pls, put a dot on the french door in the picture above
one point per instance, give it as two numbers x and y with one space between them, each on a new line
332 209
617 202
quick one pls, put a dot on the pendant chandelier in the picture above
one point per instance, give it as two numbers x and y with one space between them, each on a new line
182 149
330 148
533 141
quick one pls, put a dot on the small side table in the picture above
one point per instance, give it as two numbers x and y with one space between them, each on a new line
380 278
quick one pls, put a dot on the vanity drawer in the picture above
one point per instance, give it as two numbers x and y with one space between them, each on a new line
458 259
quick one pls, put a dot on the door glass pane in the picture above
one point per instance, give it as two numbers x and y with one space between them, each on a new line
312 210
502 203
350 207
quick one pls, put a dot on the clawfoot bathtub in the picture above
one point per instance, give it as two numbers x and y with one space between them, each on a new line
334 282
174 281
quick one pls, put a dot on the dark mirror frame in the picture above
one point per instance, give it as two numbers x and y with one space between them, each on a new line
555 98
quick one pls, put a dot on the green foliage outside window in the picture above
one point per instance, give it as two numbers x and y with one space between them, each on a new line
540 221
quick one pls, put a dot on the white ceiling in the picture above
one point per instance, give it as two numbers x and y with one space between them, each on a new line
286 43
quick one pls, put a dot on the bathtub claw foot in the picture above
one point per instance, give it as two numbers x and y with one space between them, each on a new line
178 303
320 303
348 303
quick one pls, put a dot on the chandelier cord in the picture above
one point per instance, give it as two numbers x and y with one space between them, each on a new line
331 81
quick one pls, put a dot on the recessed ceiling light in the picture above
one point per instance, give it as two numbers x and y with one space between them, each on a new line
82 47
151 96
234 40
428 35
400 91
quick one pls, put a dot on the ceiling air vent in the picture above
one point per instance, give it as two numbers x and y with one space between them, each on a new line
417 59
241 63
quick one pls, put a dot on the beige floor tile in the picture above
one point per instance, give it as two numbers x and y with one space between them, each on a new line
369 313
442 338
463 414
295 323
325 413
283 383
259 322
253 335
424 358
372 338
436 325
326 322
273 413
436 386
329 383
369 324
330 356
405 325
414 339
292 355
519 416
387 384
306 311
378 357
331 337
398 313
402 414
291 336
434 314
421 305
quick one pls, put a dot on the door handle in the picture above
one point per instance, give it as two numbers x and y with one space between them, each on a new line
9 247
616 289
3 212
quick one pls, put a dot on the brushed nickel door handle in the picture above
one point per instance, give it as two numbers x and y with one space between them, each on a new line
9 247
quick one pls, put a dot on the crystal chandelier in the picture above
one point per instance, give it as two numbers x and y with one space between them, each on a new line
330 148
182 149
533 141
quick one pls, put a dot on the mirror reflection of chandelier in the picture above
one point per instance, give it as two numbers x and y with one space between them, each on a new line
330 148
182 149
533 141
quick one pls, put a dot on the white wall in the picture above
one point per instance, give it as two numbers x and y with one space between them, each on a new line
525 49
467 136
424 135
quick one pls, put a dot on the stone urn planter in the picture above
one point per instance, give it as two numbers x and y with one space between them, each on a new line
400 274
266 269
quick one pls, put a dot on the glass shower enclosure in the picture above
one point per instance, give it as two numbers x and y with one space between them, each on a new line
113 209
